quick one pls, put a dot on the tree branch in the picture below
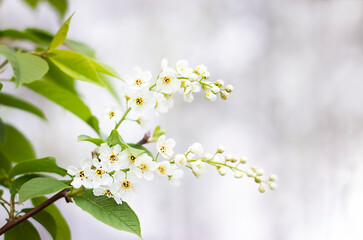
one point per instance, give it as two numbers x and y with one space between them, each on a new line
13 222
145 139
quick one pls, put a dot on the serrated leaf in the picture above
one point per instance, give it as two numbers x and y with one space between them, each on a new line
31 68
76 65
10 56
16 146
65 99
141 148
37 187
46 220
106 210
11 101
46 164
63 231
96 141
61 35
60 6
17 183
24 230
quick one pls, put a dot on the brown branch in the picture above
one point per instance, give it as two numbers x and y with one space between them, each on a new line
145 139
13 222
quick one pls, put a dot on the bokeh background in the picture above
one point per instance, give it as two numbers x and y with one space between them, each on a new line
297 111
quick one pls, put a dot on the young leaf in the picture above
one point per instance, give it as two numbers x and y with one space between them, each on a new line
96 141
10 56
141 148
43 36
63 231
115 139
16 34
61 35
80 47
5 164
103 68
11 101
37 187
16 147
60 6
1 86
2 130
31 68
46 164
76 66
24 230
17 183
106 210
66 99
45 219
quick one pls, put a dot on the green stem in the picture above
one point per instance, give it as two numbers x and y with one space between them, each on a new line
12 206
3 64
123 118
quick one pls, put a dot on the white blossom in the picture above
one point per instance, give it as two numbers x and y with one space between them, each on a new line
180 160
164 102
142 100
111 113
198 168
123 185
210 96
144 167
165 146
196 148
139 79
143 120
167 81
175 176
183 69
80 177
164 169
110 157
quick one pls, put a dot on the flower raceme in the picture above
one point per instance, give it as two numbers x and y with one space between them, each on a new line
116 168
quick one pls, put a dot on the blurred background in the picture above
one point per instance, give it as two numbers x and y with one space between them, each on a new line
297 69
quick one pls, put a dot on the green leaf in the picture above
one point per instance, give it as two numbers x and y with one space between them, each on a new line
60 78
158 132
63 231
10 56
61 35
45 219
31 68
1 86
32 3
60 6
16 147
24 230
17 183
115 139
111 88
16 34
44 37
76 65
37 187
103 68
5 163
1 193
46 164
141 149
2 131
96 141
80 47
66 99
106 210
11 101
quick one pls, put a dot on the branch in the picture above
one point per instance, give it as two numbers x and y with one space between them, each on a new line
145 139
13 222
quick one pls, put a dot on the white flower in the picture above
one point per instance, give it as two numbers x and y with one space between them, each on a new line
208 156
141 100
139 79
198 168
123 185
176 175
128 157
102 190
210 96
143 120
167 81
183 69
229 88
189 89
222 170
164 102
110 157
261 189
98 174
164 64
200 69
164 169
165 146
80 175
144 166
112 114
272 177
180 160
221 149
215 89
196 148
219 83
238 174
272 186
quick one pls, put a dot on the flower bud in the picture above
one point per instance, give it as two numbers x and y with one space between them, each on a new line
257 180
229 88
224 95
221 149
234 159
249 173
243 160
228 157
215 89
273 177
254 168
196 148
219 83
206 75
238 174
208 156
260 172
210 96
261 189
180 160
222 170
272 186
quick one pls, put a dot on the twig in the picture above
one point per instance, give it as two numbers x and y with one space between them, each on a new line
145 139
13 222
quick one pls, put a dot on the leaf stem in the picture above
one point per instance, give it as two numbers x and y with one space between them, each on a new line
13 222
